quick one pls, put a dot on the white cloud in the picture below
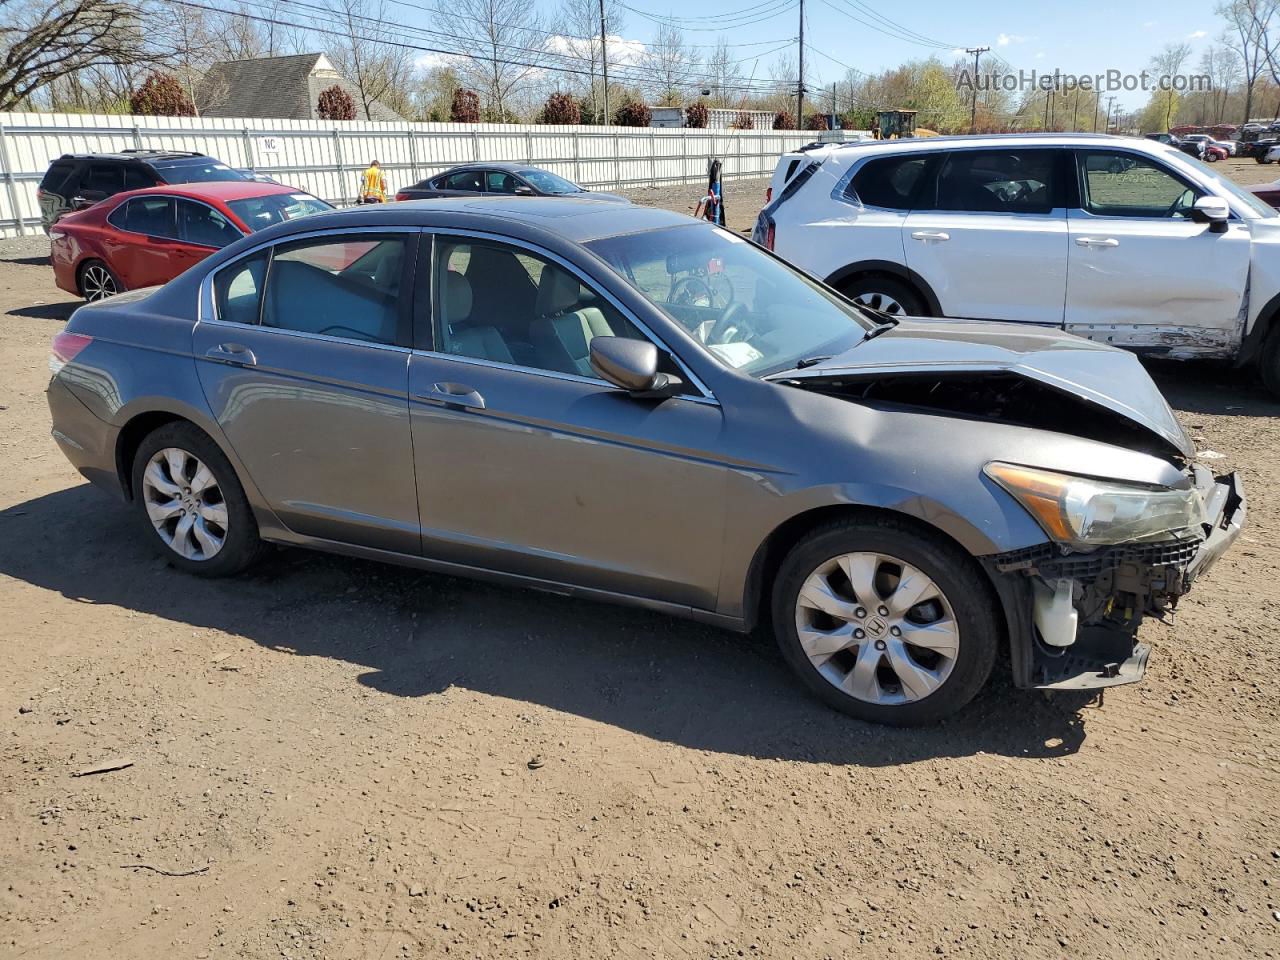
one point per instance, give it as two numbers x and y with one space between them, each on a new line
1197 34
622 51
1004 39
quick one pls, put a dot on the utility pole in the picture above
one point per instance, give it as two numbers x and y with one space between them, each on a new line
1110 100
800 85
604 61
973 112
1097 102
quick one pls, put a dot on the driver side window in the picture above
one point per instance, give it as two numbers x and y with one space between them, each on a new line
1114 184
505 304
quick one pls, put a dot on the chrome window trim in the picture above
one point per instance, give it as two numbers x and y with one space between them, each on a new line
438 232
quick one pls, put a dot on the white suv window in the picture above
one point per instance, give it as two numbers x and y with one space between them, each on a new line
1115 184
889 182
995 181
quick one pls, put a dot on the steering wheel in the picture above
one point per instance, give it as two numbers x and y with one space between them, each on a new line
691 292
1177 206
732 326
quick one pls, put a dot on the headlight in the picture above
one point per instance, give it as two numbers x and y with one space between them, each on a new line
1084 512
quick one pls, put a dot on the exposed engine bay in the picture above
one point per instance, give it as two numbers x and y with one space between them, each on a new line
997 396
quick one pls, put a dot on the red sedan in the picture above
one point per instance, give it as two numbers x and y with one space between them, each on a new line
143 238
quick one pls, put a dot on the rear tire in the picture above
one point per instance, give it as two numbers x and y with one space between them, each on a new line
97 281
903 667
887 294
188 496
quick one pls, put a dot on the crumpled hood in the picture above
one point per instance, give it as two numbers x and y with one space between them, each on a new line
1094 372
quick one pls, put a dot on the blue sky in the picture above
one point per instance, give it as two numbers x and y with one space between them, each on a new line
1090 36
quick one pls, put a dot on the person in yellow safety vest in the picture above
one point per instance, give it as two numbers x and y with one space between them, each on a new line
373 185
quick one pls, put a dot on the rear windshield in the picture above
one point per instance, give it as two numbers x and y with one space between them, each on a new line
199 170
259 212
56 176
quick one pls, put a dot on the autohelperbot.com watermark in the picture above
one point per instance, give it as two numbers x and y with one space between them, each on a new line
1109 81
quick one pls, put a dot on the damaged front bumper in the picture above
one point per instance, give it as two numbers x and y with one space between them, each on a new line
1073 618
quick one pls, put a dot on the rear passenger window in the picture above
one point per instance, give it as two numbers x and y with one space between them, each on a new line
237 289
888 182
152 216
466 180
105 178
346 288
995 181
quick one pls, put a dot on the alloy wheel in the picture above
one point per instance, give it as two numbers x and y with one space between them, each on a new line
876 628
881 302
185 504
98 284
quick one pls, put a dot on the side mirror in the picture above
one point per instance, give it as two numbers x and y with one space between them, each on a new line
632 365
523 191
1213 211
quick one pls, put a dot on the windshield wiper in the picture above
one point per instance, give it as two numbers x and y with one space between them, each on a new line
888 324
810 362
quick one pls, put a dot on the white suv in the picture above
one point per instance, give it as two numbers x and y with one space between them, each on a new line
1121 240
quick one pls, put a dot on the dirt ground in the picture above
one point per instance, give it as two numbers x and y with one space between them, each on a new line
336 759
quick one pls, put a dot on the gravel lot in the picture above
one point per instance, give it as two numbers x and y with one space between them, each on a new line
331 758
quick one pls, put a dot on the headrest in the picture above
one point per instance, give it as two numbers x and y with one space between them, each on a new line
557 290
457 297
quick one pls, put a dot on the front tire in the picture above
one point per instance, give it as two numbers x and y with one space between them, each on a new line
194 508
886 295
884 622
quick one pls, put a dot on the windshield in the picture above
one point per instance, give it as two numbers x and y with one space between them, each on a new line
548 182
197 171
750 310
259 212
1258 206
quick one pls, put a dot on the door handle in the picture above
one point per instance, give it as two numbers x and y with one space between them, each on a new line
453 395
235 354
930 235
1097 241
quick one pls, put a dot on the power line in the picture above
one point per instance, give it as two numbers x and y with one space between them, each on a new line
898 26
636 73
787 6
884 30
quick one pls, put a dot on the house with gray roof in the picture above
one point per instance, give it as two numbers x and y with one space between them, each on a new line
281 88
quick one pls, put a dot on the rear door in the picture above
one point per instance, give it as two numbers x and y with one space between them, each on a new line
142 246
305 366
1142 273
989 234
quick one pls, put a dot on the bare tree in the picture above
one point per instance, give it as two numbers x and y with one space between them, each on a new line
1168 63
43 41
723 74
577 34
1246 36
1221 65
674 66
506 45
379 71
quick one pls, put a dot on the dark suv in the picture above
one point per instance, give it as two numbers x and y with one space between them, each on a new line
78 180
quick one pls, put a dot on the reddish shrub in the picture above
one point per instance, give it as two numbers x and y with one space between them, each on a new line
161 95
465 107
335 104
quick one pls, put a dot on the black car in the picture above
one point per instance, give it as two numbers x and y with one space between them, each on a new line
78 180
518 179
1194 148
1259 148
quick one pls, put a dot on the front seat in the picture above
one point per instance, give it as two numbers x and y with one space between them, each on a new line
481 341
565 326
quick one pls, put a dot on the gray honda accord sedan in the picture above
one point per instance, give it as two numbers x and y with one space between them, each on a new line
625 404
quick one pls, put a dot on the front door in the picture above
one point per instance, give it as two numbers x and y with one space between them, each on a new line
1142 273
530 464
989 235
306 369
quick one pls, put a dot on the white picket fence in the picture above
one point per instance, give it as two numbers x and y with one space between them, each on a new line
325 157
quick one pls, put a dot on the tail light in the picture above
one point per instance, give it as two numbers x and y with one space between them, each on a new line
768 194
402 196
769 232
66 347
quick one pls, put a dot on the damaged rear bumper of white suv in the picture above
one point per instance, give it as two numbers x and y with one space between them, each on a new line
1073 617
